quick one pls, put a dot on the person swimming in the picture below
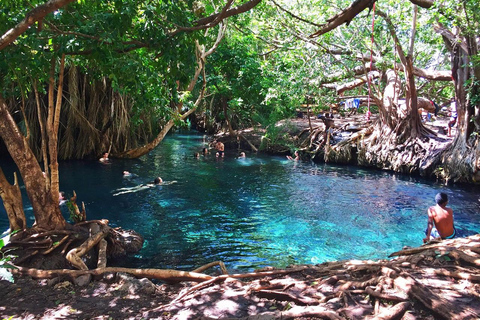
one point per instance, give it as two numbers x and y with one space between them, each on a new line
297 157
220 149
104 158
156 182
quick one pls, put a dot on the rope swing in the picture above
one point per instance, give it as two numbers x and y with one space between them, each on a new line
371 63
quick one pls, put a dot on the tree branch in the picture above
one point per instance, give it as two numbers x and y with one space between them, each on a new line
215 19
427 4
37 14
344 17
295 16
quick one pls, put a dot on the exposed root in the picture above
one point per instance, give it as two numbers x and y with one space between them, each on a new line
211 264
339 290
74 255
159 274
440 277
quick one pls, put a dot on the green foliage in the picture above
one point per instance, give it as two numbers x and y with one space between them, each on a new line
74 217
5 267
264 69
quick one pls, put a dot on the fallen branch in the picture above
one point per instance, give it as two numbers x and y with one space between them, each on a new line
359 284
249 143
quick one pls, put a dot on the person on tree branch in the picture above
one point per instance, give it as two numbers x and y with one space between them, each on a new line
440 220
453 117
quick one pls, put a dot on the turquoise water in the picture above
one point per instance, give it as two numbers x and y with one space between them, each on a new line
257 211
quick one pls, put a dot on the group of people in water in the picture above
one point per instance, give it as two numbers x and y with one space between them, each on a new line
220 151
440 223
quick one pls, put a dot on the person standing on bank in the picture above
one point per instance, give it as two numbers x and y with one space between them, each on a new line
440 220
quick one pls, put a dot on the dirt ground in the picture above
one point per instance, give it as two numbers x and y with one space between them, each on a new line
437 282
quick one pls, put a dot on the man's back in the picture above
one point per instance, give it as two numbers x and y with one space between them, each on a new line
443 219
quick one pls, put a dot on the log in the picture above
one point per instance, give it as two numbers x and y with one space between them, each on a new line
159 274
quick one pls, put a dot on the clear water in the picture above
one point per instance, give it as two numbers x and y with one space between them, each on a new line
257 211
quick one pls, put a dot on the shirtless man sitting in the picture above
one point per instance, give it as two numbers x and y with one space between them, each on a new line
442 218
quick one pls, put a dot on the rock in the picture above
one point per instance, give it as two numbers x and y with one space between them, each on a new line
83 280
54 281
131 285
109 277
63 285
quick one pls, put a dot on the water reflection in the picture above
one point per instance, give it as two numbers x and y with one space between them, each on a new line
257 211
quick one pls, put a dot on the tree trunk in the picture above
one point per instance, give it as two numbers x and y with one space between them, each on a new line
12 201
53 123
462 158
45 207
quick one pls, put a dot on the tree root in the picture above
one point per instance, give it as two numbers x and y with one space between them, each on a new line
384 296
394 312
211 264
73 256
441 307
282 296
159 274
417 279
56 245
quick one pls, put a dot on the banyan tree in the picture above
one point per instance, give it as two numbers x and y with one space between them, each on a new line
388 72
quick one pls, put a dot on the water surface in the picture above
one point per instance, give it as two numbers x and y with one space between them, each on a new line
258 211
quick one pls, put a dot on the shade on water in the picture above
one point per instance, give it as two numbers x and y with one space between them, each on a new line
257 211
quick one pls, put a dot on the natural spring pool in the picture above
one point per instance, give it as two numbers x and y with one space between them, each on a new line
257 211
